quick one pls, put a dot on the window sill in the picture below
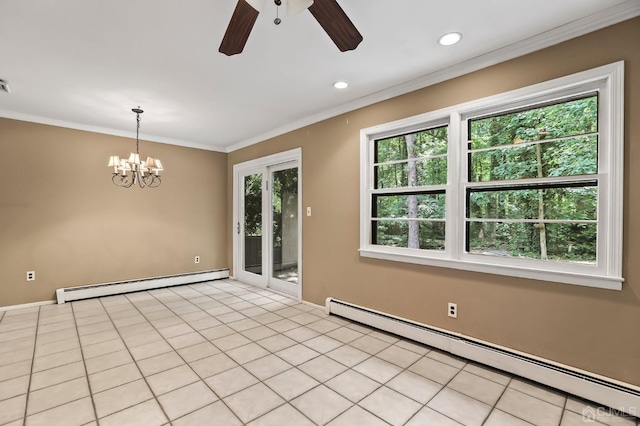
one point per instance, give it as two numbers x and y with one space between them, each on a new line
597 281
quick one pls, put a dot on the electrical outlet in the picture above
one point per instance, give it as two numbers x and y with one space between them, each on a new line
197 259
31 275
452 310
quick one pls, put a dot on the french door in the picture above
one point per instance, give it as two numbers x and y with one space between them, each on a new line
267 243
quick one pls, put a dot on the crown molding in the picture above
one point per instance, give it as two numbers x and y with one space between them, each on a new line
105 130
621 12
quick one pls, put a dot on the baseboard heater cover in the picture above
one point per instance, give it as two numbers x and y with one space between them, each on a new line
98 290
611 393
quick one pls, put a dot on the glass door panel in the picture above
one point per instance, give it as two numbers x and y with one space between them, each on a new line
284 228
285 225
252 224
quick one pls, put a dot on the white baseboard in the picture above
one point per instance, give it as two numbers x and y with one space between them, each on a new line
612 393
85 292
26 305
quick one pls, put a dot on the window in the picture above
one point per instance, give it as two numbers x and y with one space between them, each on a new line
533 185
527 183
408 199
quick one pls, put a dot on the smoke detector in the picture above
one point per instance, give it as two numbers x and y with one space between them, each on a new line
4 86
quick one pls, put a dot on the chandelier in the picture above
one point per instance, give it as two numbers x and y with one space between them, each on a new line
127 172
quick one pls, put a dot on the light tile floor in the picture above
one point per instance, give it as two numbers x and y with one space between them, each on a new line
224 353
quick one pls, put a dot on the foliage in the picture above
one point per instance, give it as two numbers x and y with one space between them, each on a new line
253 205
285 200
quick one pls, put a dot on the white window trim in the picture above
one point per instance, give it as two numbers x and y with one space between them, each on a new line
609 79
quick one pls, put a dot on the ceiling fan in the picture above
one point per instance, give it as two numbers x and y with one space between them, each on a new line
328 13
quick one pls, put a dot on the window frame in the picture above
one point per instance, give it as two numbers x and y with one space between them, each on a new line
608 82
408 190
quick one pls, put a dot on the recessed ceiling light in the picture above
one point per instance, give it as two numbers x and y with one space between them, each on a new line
449 39
340 84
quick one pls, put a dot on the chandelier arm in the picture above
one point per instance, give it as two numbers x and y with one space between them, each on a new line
128 182
154 179
122 180
115 181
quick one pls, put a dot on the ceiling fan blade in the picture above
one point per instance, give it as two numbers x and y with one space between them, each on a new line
240 26
336 24
256 4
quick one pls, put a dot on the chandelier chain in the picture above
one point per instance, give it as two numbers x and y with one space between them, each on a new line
138 132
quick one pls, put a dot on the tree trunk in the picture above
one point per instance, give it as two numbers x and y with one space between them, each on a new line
541 225
412 200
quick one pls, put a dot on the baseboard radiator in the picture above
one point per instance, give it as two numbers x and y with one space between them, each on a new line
98 290
608 392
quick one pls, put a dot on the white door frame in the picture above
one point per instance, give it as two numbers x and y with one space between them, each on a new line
264 162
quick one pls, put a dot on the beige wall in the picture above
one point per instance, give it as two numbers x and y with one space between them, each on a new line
592 329
61 216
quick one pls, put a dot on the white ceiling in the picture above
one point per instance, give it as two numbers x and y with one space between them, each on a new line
85 63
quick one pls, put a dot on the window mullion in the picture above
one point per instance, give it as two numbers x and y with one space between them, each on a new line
410 189
515 183
454 185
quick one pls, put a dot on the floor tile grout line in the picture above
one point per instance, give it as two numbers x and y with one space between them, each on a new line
137 367
407 369
493 408
385 383
515 377
460 370
186 363
512 415
351 368
454 390
380 385
59 341
14 363
61 405
286 402
298 326
18 329
534 397
564 410
482 377
33 361
57 366
19 338
162 336
64 381
343 343
84 365
257 378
